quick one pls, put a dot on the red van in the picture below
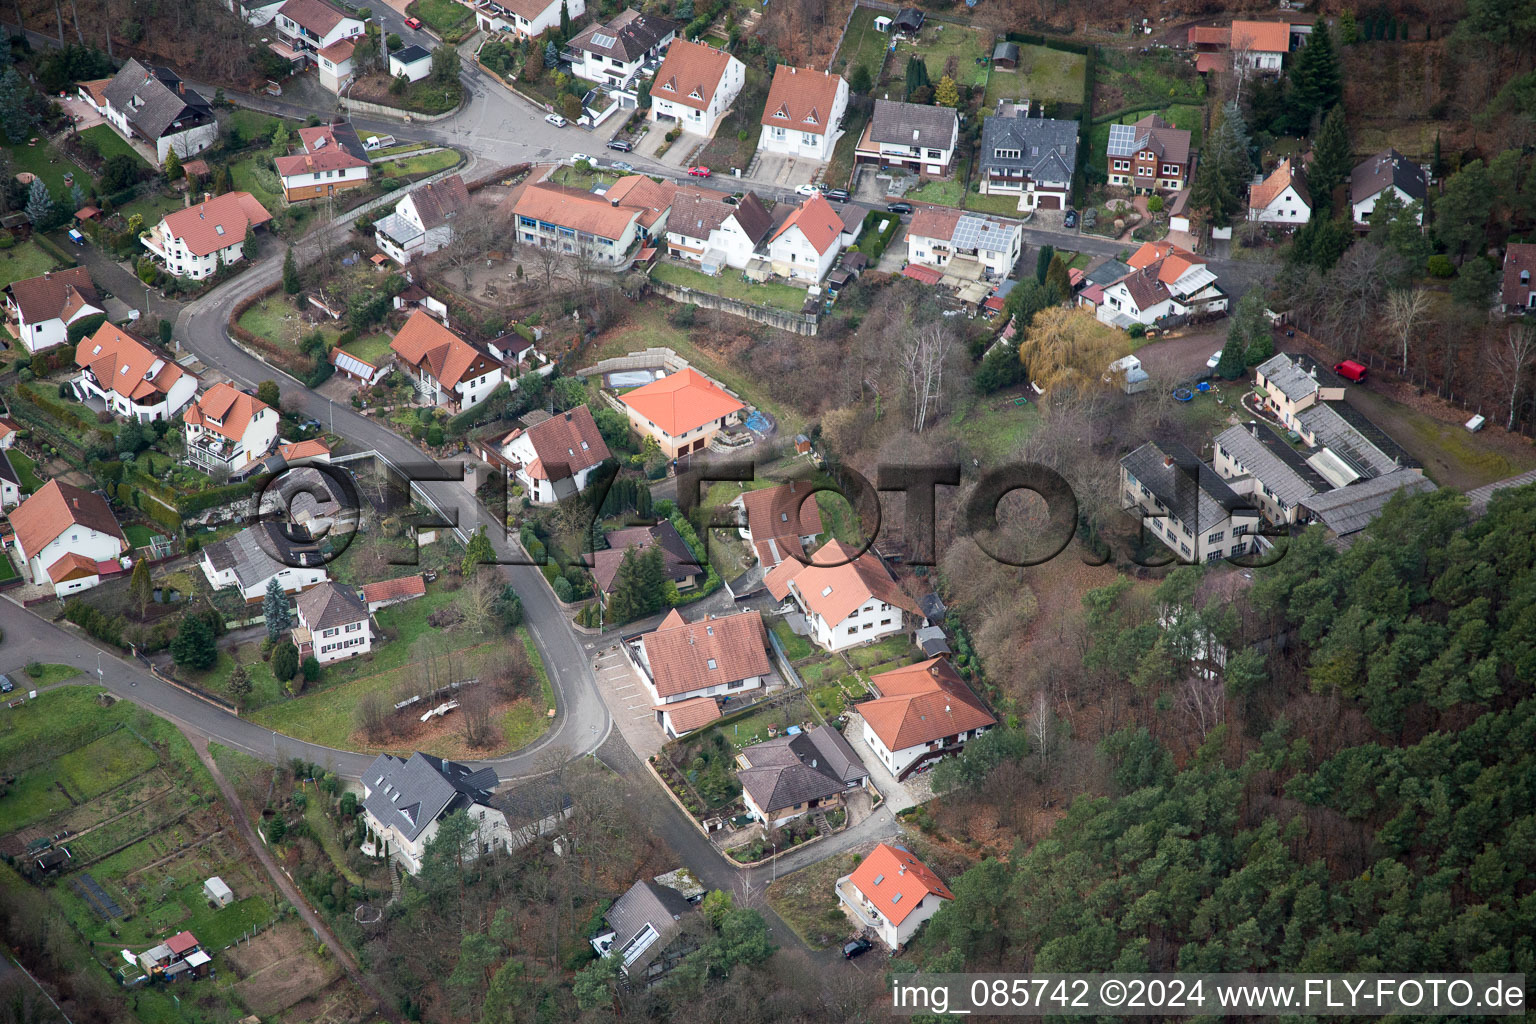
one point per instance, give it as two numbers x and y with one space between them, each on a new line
1350 370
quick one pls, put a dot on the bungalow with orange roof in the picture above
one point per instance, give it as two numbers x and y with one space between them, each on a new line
39 310
383 593
683 663
555 458
1164 281
228 431
682 411
782 521
196 241
847 598
130 378
605 228
327 164
449 371
1259 45
892 893
806 245
1282 197
921 713
802 114
67 537
695 85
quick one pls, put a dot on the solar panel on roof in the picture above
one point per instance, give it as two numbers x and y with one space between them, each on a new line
1122 139
602 39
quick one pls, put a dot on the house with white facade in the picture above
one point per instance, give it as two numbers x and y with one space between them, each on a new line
556 457
704 228
694 86
331 160
800 773
605 229
921 713
1260 45
682 411
449 371
689 670
1165 280
525 18
1259 464
1288 384
252 558
310 26
423 221
39 310
66 537
780 522
1033 158
195 242
914 136
334 64
152 103
1387 170
228 431
414 62
405 800
892 893
847 604
802 113
614 53
333 623
130 378
806 245
1187 505
937 235
1282 197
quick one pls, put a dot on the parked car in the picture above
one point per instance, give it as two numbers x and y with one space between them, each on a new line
858 947
556 120
621 145
1214 361
806 190
901 209
413 23
1071 219
699 172
1349 369
839 195
623 165
6 686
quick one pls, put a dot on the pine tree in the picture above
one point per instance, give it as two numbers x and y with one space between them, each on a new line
1316 86
290 273
39 204
478 550
917 75
1221 184
274 608
1057 276
551 54
1462 209
172 166
141 589
15 118
1349 29
193 646
239 684
1043 263
565 20
77 197
1330 164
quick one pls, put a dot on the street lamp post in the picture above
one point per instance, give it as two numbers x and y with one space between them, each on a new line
99 673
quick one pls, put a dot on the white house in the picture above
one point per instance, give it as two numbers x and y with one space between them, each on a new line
1386 170
796 774
892 893
228 430
333 623
1187 505
556 457
331 160
252 558
526 18
807 243
423 221
404 800
335 64
718 658
39 310
694 86
845 605
937 235
414 62
152 103
196 241
129 378
1290 384
1031 157
921 713
613 54
1260 45
604 229
803 112
1281 198
917 136
706 229
449 371
781 522
1165 280
63 535
309 26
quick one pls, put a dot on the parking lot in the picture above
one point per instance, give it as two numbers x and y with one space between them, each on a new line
619 684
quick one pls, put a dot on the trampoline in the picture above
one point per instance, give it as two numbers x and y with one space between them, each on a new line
758 423
1183 394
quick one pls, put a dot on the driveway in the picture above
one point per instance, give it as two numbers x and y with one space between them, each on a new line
898 796
786 171
1184 355
618 682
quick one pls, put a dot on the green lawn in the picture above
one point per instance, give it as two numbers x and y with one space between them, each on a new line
1124 80
21 262
51 165
450 20
257 175
152 207
572 178
26 471
528 719
49 674
795 646
7 570
427 164
139 535
732 285
754 727
993 428
276 319
943 193
81 774
1043 75
107 143
402 148
252 124
1002 206
940 46
265 689
374 348
862 45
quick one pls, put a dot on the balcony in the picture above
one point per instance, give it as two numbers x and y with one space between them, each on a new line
154 246
853 902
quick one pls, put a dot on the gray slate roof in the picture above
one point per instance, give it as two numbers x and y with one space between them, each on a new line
8 471
913 124
1047 146
330 606
148 96
411 54
1368 452
1192 492
1107 273
646 903
1479 498
437 201
627 37
411 795
1353 508
932 640
1297 376
254 553
1274 463
790 770
1387 168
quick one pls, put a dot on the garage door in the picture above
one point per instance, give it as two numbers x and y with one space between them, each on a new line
1048 202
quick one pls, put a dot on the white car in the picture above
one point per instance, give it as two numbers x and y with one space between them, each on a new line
1214 361
807 190
556 120
577 158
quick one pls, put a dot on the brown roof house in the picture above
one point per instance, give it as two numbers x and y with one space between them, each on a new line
448 370
331 160
694 86
39 310
67 537
556 457
846 600
781 521
706 228
797 774
1148 156
921 713
690 669
1518 291
129 378
423 221
917 136
803 112
525 18
679 563
1282 197
333 623
603 229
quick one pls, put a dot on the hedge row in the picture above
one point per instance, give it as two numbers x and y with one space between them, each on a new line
51 248
873 243
67 413
214 496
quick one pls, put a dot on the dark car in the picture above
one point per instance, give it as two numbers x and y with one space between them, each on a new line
1071 220
732 200
899 208
6 686
858 947
839 195
621 146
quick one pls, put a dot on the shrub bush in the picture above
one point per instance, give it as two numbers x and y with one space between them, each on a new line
1440 265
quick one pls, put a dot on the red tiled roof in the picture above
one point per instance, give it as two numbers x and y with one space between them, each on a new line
801 99
40 519
1281 178
1209 35
693 713
327 158
637 192
392 590
1262 36
340 51
919 272
59 293
576 209
199 226
817 221
452 360
835 591
316 15
690 74
781 515
1210 61
304 450
124 365
73 567
181 942
896 882
698 655
922 703
680 402
232 408
569 438
1519 257
934 222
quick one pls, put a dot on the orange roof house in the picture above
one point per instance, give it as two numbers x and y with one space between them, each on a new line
778 517
1264 36
817 220
846 600
225 410
690 73
803 100
894 892
383 593
133 379
45 535
462 373
684 716
215 223
923 712
682 410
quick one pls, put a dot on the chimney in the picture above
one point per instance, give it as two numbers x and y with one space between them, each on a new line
901 870
1167 461
207 196
47 275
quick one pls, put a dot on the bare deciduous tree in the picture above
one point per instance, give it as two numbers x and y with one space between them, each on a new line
922 364
477 602
1204 698
476 722
1513 359
1406 308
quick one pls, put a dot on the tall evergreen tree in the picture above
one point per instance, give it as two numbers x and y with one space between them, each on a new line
1221 185
193 646
290 273
917 74
1043 262
1330 164
15 117
274 608
1462 209
1316 86
39 204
